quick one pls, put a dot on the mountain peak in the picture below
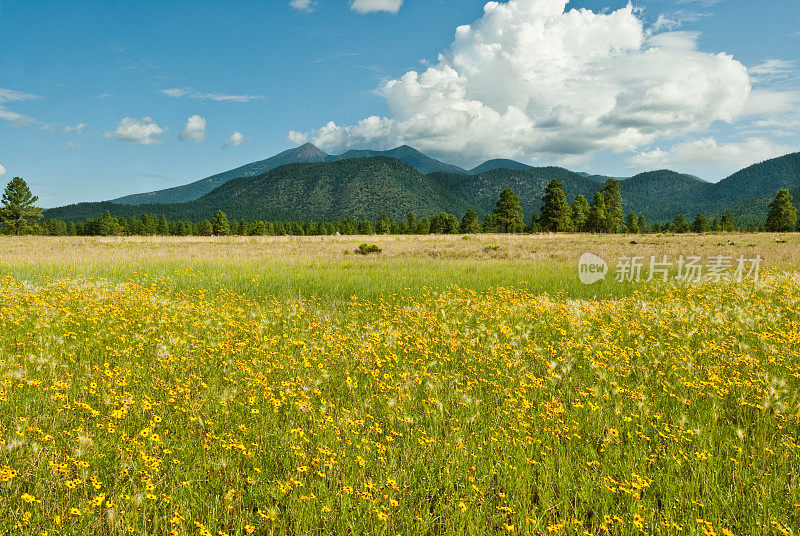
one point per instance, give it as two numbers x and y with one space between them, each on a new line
499 163
309 148
406 150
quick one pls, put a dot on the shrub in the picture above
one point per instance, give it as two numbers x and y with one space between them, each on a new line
368 249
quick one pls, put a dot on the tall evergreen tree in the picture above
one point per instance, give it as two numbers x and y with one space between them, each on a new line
106 225
727 224
596 221
204 228
469 223
163 226
782 213
384 226
679 224
18 206
535 225
556 213
220 226
642 224
410 225
259 229
701 224
580 213
612 195
149 224
508 217
632 223
444 223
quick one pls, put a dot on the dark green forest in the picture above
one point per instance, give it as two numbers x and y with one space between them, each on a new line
605 214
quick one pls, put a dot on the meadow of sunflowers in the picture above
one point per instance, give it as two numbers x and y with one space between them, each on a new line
140 406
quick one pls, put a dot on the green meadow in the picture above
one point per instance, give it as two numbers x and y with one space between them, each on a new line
445 386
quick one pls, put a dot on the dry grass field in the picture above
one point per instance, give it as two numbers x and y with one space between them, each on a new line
777 249
325 267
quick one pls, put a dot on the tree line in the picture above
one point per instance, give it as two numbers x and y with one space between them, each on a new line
603 215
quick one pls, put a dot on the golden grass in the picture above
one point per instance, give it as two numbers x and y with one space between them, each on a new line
776 249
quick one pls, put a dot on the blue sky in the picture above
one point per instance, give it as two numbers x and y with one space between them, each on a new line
96 97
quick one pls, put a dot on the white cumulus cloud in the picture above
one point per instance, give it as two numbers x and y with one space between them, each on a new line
235 140
707 156
195 129
302 5
372 6
138 131
2 170
530 79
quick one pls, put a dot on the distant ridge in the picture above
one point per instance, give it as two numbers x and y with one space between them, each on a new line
358 187
357 184
499 163
419 161
599 178
308 153
305 154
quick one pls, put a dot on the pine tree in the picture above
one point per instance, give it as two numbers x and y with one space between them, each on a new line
727 224
149 224
444 223
535 225
612 195
580 213
556 213
642 224
633 223
384 226
204 228
782 213
163 226
220 227
410 225
260 229
596 221
56 228
701 224
679 224
469 223
508 217
18 207
489 224
107 225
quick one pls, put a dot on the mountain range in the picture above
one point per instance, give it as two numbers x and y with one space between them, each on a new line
306 183
305 154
